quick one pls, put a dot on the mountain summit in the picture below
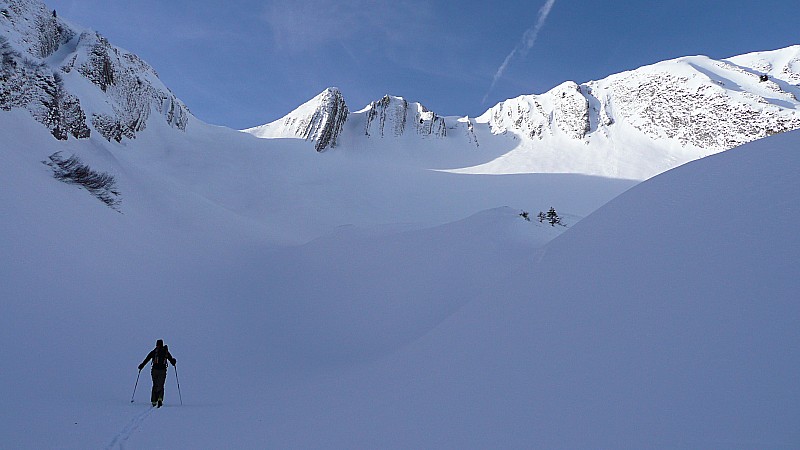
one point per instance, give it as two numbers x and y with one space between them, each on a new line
319 120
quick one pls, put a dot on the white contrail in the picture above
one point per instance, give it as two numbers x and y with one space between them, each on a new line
528 39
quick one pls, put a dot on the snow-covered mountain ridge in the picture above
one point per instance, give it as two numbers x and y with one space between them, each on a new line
74 81
321 120
630 125
633 124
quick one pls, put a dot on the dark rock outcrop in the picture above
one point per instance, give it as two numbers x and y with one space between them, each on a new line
397 113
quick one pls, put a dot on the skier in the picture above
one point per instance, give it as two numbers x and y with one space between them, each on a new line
160 355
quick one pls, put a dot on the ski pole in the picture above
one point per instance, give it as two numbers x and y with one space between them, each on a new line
137 384
179 384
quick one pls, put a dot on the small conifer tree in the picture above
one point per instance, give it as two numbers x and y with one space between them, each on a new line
552 217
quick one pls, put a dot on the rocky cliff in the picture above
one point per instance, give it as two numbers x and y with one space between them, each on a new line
393 115
44 62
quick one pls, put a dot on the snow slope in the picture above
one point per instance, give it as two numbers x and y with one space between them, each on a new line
665 319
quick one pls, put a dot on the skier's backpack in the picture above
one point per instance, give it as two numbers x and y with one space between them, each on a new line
160 357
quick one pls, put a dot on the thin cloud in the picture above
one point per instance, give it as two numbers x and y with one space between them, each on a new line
305 25
528 39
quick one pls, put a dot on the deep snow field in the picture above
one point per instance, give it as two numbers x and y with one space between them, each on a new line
346 300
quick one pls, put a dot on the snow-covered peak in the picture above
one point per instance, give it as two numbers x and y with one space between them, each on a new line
319 120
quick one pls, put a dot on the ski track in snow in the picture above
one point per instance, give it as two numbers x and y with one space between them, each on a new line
122 437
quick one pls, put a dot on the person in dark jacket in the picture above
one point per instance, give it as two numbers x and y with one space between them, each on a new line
160 356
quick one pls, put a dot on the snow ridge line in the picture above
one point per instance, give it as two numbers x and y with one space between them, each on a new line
121 437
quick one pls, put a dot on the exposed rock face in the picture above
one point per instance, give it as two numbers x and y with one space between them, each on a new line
663 105
132 85
42 57
326 123
565 108
64 114
428 123
319 120
571 111
397 113
524 114
34 86
469 130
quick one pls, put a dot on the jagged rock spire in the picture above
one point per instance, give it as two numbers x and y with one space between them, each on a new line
319 120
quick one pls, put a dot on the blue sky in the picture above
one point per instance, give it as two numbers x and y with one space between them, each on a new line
242 63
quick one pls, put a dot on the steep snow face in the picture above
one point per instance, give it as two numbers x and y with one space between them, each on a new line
46 64
319 120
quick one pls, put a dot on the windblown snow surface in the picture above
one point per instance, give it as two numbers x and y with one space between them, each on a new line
339 301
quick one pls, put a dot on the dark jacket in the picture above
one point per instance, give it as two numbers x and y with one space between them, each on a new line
160 356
